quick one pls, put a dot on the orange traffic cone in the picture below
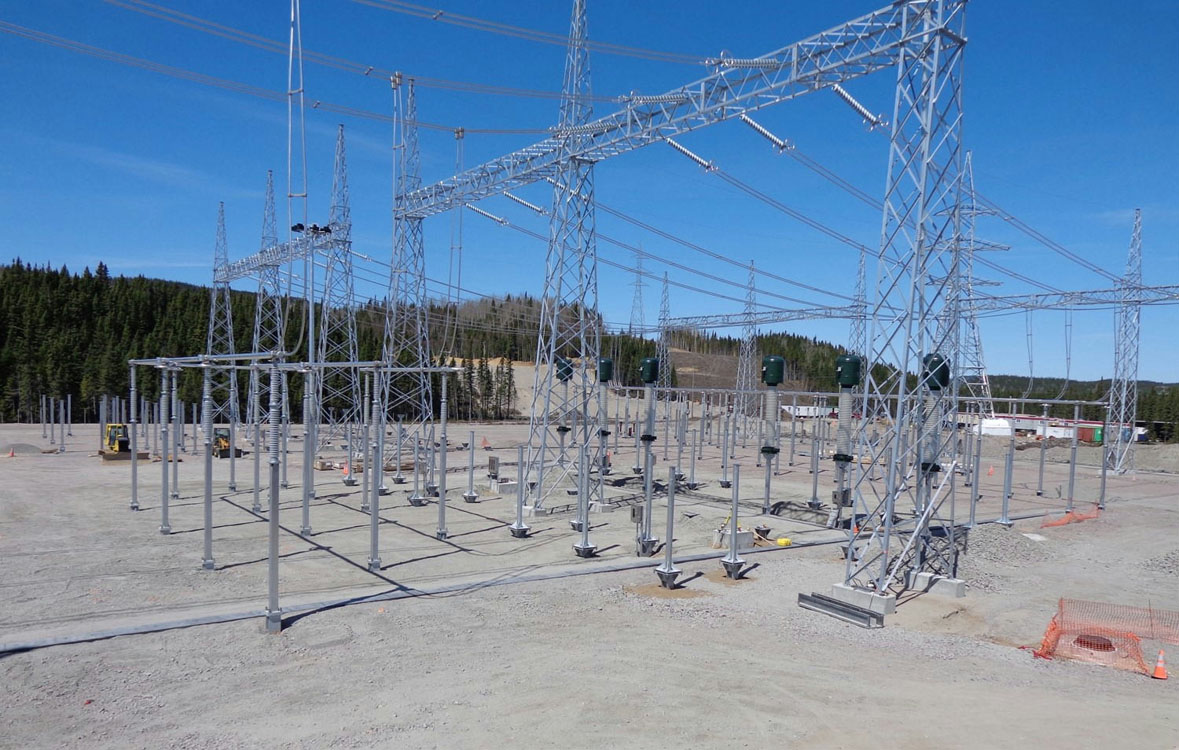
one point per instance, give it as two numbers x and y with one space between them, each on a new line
12 452
485 445
991 472
346 469
1160 667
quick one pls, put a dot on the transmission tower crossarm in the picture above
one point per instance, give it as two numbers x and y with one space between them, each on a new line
736 86
1149 295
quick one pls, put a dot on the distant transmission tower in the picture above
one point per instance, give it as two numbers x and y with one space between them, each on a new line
1123 390
268 317
220 334
971 363
664 347
744 401
637 319
569 343
339 387
406 342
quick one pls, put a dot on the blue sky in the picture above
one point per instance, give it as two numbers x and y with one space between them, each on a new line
1071 113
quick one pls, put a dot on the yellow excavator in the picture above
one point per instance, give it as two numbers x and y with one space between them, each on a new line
221 443
116 444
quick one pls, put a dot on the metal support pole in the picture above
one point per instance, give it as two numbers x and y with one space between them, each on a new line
43 435
233 443
1007 470
286 430
442 533
308 454
374 519
692 460
668 572
207 422
793 426
177 434
470 495
397 477
273 611
814 502
978 446
53 421
417 499
61 447
646 543
583 548
70 414
638 467
366 411
732 562
1104 463
256 399
1072 460
165 528
1043 450
724 482
519 528
134 443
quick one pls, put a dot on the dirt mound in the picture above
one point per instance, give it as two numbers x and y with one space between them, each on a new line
20 449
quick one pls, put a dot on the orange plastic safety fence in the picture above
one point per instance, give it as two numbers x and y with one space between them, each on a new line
1072 516
1108 634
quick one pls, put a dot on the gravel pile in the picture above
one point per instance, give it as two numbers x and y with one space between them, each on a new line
1167 564
994 543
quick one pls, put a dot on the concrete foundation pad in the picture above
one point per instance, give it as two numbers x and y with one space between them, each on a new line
883 604
532 511
744 540
940 585
597 507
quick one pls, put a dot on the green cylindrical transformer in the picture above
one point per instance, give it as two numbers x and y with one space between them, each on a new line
847 370
564 369
773 369
605 370
937 371
649 370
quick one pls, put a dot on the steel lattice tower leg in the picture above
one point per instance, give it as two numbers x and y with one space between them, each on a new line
1123 391
569 325
339 388
268 317
220 335
406 331
916 278
663 349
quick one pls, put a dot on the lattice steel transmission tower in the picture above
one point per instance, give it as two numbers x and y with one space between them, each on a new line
858 336
1123 390
339 396
268 311
570 328
663 348
220 335
971 363
745 402
903 432
406 341
638 321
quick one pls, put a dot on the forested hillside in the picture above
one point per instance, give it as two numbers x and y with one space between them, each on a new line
64 333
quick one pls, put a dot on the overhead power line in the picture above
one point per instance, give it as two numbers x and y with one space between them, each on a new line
373 72
223 83
532 35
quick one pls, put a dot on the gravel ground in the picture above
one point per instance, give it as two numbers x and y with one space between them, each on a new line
587 661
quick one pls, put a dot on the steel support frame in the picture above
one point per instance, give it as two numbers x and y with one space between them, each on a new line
917 276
